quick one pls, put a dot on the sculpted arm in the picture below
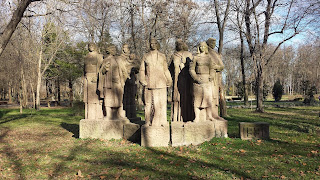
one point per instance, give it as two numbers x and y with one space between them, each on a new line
142 71
105 66
192 70
166 71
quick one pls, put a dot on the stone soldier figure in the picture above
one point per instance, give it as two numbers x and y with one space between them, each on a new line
181 109
92 62
154 75
202 72
115 75
130 89
216 58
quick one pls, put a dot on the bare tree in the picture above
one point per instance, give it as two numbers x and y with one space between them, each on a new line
260 26
15 19
221 23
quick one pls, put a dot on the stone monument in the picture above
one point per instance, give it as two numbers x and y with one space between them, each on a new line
181 109
202 72
206 124
254 130
216 58
132 65
154 75
221 125
93 104
114 125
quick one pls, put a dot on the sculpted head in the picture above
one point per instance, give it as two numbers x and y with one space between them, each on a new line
112 50
203 47
125 49
211 42
92 47
154 44
179 45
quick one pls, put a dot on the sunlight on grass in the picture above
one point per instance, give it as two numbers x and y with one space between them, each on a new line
45 145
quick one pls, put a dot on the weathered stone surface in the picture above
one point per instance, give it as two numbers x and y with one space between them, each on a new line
182 106
155 136
93 105
216 82
203 73
259 130
132 132
107 129
154 75
221 128
192 133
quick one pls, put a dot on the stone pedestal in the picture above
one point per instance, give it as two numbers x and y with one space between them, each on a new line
107 129
221 128
155 136
192 133
197 133
259 130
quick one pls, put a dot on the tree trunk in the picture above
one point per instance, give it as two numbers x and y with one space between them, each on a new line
11 27
38 81
33 97
70 93
223 104
20 100
244 84
259 87
58 91
9 94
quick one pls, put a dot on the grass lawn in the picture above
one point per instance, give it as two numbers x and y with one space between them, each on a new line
45 145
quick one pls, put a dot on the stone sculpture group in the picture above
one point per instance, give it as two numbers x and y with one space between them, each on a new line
110 88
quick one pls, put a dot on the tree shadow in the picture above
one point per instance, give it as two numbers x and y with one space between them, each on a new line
11 154
73 128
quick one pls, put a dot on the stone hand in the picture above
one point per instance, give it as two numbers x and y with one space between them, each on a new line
169 82
143 83
94 80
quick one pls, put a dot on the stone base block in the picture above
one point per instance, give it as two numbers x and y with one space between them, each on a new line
155 136
107 129
259 130
221 128
132 132
192 133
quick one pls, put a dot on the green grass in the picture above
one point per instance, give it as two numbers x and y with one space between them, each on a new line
45 145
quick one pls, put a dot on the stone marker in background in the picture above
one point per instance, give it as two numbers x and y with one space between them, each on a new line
155 77
254 130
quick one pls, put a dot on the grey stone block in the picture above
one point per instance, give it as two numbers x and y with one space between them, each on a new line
192 133
107 129
259 130
155 136
221 128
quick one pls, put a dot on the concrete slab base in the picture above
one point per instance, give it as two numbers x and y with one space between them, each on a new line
155 136
107 129
192 133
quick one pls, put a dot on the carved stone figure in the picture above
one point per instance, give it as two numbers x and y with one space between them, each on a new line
216 58
115 75
155 77
181 110
202 71
130 89
92 62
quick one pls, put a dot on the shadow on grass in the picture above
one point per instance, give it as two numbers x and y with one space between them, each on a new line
11 154
13 118
73 128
